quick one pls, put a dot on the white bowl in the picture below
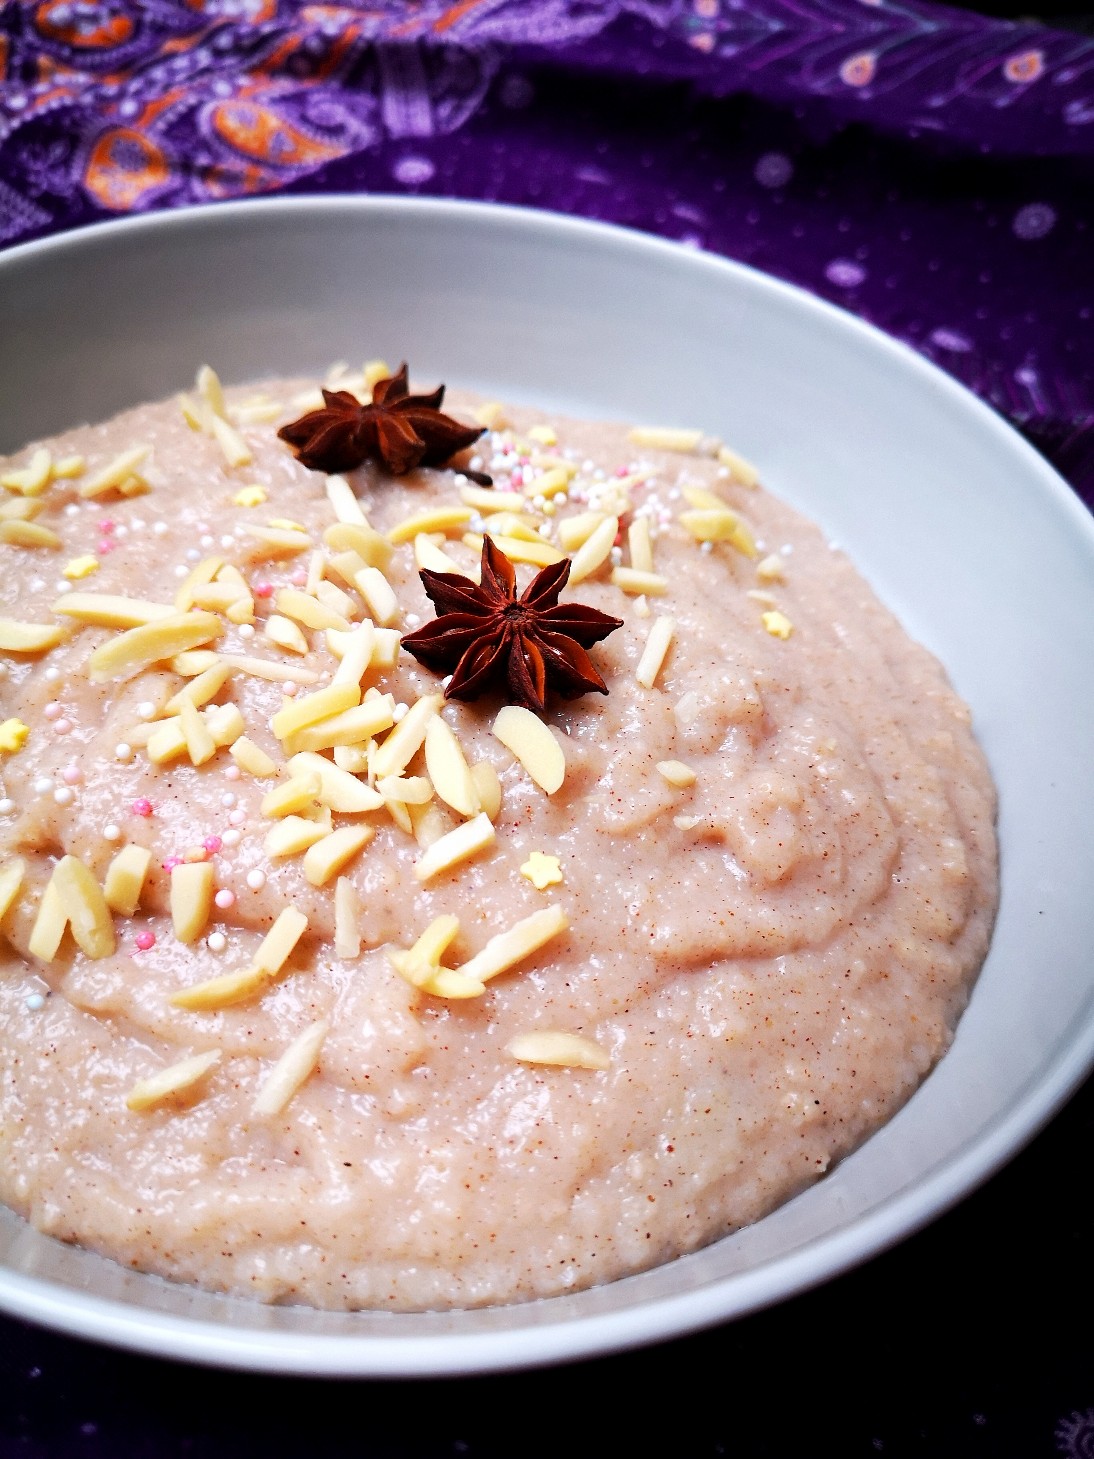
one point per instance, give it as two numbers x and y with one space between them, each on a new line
980 548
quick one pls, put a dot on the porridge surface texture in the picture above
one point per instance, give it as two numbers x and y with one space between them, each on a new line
764 944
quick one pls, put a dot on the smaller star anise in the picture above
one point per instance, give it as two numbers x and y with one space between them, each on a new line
399 429
485 634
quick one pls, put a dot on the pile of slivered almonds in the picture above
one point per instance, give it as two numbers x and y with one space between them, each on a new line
345 749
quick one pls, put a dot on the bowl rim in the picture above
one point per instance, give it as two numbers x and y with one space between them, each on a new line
526 1345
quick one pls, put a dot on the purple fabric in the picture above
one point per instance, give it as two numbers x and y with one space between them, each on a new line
928 169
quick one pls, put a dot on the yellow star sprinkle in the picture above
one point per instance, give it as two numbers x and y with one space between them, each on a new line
13 736
81 567
542 871
250 496
778 625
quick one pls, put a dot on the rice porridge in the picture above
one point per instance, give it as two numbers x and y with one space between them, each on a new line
320 986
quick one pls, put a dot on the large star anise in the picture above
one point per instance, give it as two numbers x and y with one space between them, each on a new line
485 634
399 429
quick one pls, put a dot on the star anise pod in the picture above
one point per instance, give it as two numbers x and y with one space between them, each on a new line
399 429
486 635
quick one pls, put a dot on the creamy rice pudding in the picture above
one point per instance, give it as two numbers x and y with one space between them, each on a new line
319 987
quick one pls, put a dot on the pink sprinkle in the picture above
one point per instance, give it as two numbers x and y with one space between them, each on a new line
619 538
232 772
299 578
52 710
621 471
172 862
212 844
290 687
264 590
225 899
72 775
62 727
142 806
106 526
145 940
524 460
105 546
517 478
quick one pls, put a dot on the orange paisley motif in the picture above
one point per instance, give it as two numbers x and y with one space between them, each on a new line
110 27
124 168
260 132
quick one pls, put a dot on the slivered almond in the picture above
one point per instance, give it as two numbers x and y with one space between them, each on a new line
272 542
252 758
341 791
740 469
203 687
373 549
295 834
110 610
539 554
298 714
225 723
341 497
49 924
329 856
125 878
192 886
135 649
300 793
234 448
549 483
448 769
115 473
194 661
316 568
487 787
34 477
268 669
429 556
166 742
407 738
573 532
421 964
208 386
485 500
28 534
354 758
521 940
771 569
12 873
439 519
630 580
286 634
200 745
85 907
658 640
176 1079
337 601
347 931
719 525
399 812
666 438
217 597
276 947
199 576
531 741
29 638
295 1066
640 544
406 789
356 655
428 823
351 727
594 551
223 991
676 773
555 1046
378 594
309 611
19 509
455 847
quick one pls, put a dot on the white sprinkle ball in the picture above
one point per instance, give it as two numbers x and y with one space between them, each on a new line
52 710
64 795
475 463
290 687
226 541
246 630
63 727
138 524
72 775
256 880
146 709
216 942
121 530
225 898
64 586
112 832
413 619
43 786
707 547
123 753
230 838
401 710
232 772
207 541
7 805
228 800
722 472
192 554
160 528
180 571
35 1001
72 509
237 818
617 556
